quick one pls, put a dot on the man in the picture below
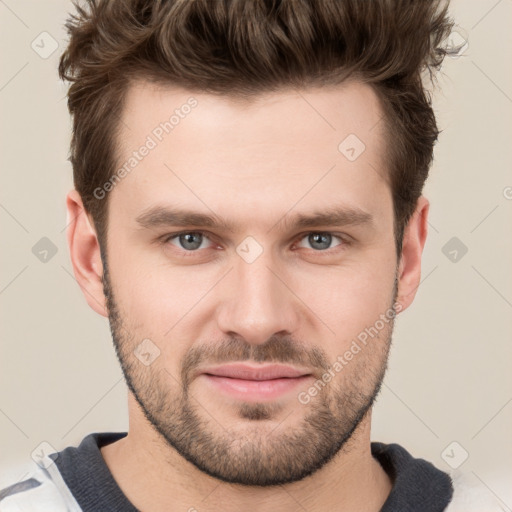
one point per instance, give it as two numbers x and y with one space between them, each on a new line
248 214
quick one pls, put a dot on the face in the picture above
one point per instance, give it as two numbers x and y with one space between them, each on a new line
265 280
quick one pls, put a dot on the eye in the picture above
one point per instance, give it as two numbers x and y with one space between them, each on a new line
192 241
321 241
189 241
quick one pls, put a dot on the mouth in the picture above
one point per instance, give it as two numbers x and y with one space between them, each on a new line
255 383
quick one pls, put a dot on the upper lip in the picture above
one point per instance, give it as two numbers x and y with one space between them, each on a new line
247 372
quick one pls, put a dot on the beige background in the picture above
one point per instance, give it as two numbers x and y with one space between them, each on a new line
450 373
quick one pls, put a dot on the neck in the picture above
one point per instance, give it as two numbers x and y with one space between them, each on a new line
153 476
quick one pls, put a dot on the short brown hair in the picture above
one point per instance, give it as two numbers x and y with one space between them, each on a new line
245 47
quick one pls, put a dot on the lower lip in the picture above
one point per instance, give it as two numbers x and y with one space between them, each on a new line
256 389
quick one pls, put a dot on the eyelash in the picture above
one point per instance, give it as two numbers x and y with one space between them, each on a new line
167 238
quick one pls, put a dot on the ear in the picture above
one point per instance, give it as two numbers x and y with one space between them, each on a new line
409 269
85 254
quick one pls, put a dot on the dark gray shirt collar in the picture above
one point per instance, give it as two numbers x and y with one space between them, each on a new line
417 485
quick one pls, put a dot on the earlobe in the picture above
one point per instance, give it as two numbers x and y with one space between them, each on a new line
409 269
85 253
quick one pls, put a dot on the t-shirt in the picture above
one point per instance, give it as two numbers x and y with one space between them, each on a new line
77 479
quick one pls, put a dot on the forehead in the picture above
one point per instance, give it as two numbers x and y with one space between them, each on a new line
281 150
312 114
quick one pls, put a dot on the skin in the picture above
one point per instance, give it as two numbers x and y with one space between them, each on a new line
189 446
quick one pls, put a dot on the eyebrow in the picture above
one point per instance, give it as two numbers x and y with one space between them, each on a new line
158 216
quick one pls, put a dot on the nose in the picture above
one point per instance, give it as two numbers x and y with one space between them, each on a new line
259 302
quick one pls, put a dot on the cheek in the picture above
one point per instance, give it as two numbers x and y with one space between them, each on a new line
349 300
153 296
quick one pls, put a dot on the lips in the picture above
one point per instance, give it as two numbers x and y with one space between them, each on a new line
254 383
256 373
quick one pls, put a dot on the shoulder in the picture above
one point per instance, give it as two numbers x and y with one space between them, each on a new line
45 484
42 489
456 491
470 495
